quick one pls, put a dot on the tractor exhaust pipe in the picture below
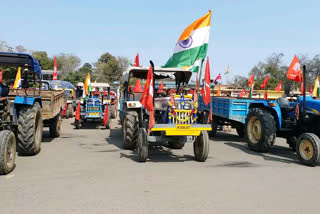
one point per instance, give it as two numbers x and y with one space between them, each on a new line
304 91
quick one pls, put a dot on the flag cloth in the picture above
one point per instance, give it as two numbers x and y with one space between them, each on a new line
294 72
95 81
264 83
265 95
55 69
279 86
310 89
1 74
219 91
137 87
217 78
77 117
243 93
316 92
147 97
227 71
206 85
192 44
250 91
64 111
87 86
136 61
251 80
106 114
160 90
17 81
301 86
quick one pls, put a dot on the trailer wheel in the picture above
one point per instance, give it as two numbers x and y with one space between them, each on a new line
176 143
29 132
77 124
55 126
130 130
214 127
69 111
201 147
292 141
308 149
260 130
113 112
240 131
7 152
142 145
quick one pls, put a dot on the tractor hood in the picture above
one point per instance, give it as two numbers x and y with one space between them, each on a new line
20 59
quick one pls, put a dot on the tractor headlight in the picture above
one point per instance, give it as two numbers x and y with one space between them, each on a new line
187 106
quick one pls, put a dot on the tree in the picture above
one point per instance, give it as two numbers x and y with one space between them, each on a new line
80 75
240 81
107 68
67 63
21 49
5 47
45 62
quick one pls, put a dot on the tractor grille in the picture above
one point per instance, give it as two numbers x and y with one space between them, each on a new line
182 117
93 108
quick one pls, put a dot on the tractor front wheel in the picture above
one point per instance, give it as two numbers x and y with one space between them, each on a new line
130 128
142 145
77 124
308 146
7 152
201 147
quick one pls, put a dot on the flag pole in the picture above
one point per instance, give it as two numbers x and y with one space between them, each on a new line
200 77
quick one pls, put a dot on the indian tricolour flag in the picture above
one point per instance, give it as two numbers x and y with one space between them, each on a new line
86 86
192 45
17 81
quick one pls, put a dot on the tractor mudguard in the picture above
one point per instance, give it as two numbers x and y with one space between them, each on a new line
27 100
271 106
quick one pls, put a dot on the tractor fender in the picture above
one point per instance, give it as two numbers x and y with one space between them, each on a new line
27 100
272 107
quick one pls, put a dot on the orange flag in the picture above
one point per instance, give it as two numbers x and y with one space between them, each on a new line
136 61
105 117
265 95
279 86
310 88
294 72
219 91
206 84
1 80
77 117
137 86
251 80
55 70
264 83
160 90
243 93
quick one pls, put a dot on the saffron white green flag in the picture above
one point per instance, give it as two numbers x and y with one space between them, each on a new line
192 45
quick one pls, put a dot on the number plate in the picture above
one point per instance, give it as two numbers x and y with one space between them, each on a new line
183 126
93 113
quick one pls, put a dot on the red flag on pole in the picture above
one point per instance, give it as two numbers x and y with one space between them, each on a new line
264 83
243 93
265 95
137 86
136 61
217 78
279 86
64 111
301 86
147 97
55 70
251 80
77 117
294 72
160 90
310 88
206 85
106 114
1 80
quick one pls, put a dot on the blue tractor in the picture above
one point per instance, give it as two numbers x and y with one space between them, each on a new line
297 121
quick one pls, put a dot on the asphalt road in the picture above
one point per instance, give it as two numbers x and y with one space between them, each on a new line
87 171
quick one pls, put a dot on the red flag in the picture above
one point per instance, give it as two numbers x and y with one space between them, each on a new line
1 76
301 86
217 78
105 117
55 70
64 111
77 117
147 97
265 95
294 72
279 86
264 83
206 84
251 80
137 86
243 93
136 61
160 90
310 88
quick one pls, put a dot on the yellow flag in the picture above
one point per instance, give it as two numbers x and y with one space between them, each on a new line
87 86
18 79
316 87
95 81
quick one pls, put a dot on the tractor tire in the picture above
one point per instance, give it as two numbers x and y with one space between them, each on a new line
292 141
308 149
240 131
201 147
130 130
214 127
142 145
69 112
55 126
176 143
29 132
260 130
77 124
7 152
113 111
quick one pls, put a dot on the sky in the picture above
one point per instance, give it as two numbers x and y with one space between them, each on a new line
242 32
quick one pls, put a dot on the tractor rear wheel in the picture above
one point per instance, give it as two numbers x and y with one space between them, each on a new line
308 149
130 130
240 131
142 145
29 130
55 126
7 152
214 127
260 130
113 112
201 147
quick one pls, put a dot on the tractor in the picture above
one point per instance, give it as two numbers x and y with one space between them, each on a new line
297 121
175 114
